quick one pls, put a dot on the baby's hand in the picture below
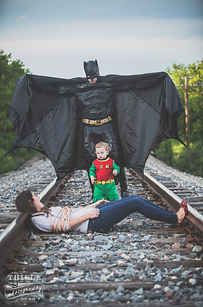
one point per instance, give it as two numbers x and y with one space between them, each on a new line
115 173
92 180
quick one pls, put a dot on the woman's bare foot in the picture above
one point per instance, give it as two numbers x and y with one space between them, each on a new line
183 211
180 215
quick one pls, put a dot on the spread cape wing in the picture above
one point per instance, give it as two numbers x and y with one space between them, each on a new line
44 113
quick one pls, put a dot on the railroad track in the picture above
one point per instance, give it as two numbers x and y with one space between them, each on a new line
141 261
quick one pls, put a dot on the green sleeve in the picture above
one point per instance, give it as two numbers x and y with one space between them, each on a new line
92 170
116 167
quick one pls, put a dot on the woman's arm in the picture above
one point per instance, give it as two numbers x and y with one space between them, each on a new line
99 202
96 204
91 214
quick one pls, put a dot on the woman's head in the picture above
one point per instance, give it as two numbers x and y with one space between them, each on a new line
27 202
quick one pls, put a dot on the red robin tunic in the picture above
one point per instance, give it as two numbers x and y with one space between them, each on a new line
104 169
104 187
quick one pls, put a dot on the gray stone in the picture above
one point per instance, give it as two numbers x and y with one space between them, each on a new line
157 287
137 298
50 272
99 238
158 277
122 238
167 289
71 261
47 264
42 257
139 291
197 249
192 281
176 270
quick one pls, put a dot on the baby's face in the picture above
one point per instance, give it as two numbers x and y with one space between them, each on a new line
101 153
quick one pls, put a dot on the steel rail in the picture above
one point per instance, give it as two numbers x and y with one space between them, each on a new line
195 217
152 187
22 216
17 228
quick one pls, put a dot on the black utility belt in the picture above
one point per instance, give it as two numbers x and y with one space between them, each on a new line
97 122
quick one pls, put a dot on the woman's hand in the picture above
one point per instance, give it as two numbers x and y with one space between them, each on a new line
93 213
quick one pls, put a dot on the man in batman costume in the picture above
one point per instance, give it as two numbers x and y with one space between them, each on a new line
96 115
64 118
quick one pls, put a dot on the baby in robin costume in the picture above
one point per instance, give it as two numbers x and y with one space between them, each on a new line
102 172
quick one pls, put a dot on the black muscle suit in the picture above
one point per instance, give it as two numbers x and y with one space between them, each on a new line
97 120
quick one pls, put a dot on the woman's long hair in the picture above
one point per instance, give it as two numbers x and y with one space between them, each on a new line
24 203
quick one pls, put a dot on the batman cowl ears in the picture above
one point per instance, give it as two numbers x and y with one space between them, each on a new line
91 69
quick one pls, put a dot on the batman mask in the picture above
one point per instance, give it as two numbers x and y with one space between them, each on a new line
91 69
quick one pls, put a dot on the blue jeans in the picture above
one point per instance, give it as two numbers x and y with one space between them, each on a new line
115 211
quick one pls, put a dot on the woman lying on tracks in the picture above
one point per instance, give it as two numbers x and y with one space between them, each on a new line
98 217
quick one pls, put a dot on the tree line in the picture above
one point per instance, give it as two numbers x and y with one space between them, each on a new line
189 158
186 158
10 71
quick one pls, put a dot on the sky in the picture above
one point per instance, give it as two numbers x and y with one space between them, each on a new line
54 37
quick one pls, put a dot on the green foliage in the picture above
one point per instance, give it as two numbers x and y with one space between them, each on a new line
188 159
10 71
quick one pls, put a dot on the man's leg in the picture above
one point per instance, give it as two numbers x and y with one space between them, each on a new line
116 211
91 185
123 183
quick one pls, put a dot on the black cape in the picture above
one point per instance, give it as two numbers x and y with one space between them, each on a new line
45 116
